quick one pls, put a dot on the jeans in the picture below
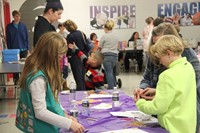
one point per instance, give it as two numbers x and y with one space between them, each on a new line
109 64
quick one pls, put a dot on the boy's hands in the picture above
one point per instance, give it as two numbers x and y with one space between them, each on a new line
147 94
136 94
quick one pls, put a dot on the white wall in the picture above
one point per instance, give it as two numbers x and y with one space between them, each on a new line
78 10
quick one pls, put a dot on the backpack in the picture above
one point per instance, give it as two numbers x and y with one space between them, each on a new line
88 44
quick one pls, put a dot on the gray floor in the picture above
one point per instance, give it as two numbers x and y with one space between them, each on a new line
130 81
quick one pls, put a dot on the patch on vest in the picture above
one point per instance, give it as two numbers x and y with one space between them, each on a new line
24 120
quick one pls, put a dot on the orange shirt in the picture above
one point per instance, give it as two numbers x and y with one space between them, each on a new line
96 44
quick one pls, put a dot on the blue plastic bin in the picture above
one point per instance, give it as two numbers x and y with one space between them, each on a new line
10 55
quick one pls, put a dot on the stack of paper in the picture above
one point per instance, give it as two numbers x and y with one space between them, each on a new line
138 115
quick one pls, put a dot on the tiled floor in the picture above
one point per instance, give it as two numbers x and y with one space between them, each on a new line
130 81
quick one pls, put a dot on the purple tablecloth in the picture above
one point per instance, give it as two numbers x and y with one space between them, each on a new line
102 120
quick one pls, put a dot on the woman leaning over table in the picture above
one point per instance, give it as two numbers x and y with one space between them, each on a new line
108 46
38 109
152 71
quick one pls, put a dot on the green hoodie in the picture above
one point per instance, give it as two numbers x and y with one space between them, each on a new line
175 99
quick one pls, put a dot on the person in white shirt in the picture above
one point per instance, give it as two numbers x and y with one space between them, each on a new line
146 34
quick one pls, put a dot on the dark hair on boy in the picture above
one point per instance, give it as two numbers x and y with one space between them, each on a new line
15 12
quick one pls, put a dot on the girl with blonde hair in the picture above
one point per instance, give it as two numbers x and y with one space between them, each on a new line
40 84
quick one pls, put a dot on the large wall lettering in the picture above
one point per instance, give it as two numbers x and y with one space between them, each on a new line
185 14
123 16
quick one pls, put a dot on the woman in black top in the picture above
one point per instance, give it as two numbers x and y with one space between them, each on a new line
76 36
52 13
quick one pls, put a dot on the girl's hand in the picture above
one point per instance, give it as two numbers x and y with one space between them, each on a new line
76 127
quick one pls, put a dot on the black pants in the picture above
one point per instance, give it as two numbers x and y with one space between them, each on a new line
138 55
78 71
120 56
22 54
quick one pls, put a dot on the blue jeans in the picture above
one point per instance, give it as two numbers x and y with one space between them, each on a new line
109 64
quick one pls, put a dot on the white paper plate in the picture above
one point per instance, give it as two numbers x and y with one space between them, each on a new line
65 92
100 96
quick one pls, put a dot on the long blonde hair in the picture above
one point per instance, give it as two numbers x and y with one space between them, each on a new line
45 58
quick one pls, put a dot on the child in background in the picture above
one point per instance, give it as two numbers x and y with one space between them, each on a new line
175 100
94 77
64 71
39 110
93 38
62 30
64 61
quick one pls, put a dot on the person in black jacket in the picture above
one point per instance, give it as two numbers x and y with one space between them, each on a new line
52 13
77 37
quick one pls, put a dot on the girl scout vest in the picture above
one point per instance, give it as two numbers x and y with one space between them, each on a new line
25 116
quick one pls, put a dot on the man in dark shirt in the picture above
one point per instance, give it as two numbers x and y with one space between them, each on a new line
17 35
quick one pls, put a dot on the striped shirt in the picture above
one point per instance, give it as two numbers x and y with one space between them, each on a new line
94 77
